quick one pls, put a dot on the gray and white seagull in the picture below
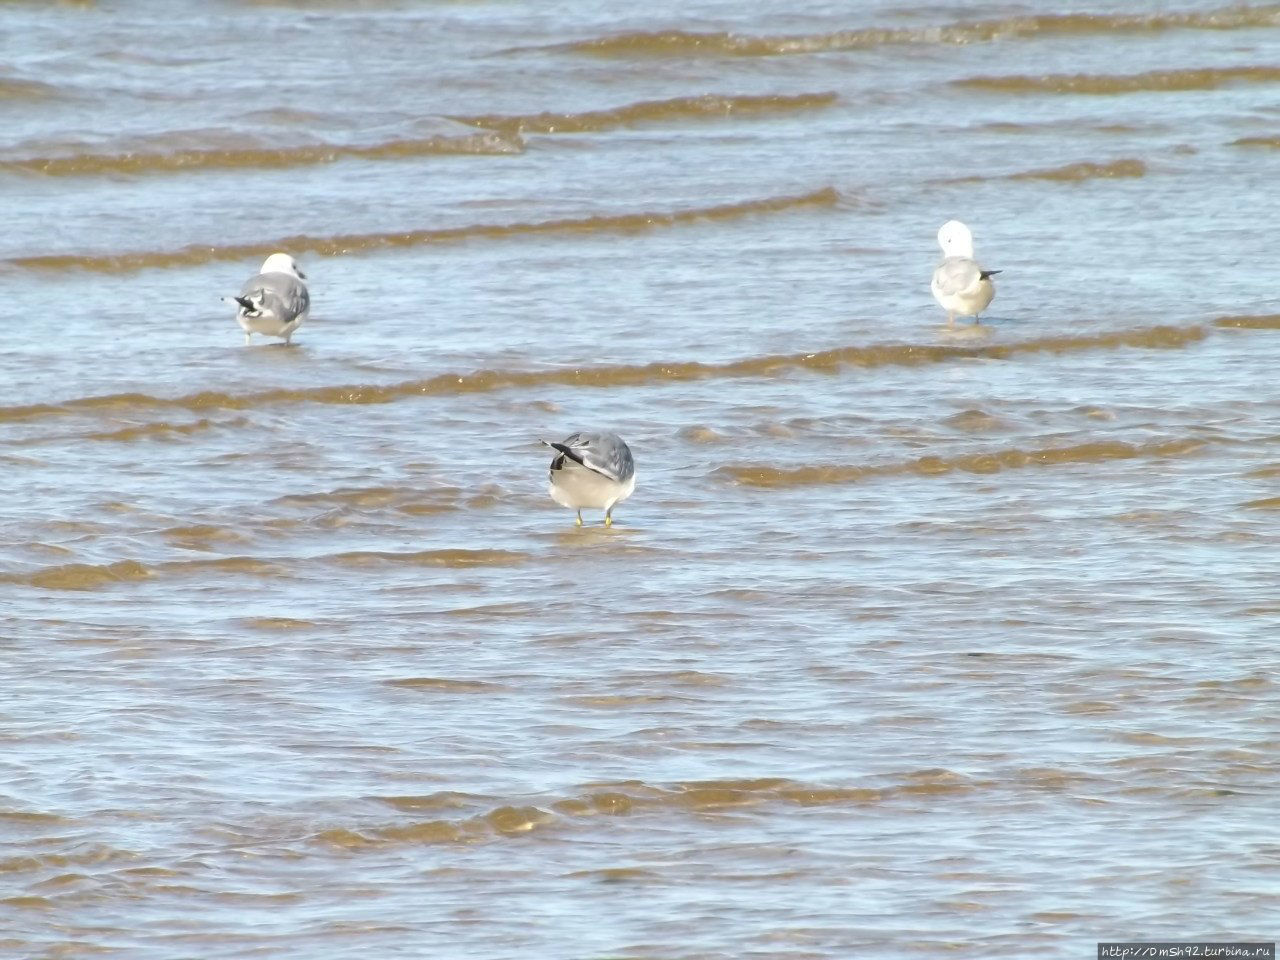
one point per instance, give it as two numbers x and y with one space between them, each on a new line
959 284
275 302
593 470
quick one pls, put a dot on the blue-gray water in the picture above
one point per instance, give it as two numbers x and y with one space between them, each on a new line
911 641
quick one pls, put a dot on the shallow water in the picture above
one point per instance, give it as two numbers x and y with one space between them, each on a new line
911 641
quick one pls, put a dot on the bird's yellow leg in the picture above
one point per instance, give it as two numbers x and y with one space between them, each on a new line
579 523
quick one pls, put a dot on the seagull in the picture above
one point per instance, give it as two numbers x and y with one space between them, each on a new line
592 470
275 302
962 287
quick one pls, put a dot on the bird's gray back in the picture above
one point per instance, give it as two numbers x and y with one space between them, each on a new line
956 274
285 296
605 453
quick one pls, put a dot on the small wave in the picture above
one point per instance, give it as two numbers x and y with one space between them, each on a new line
82 576
32 411
1085 170
1100 84
1072 127
446 685
33 817
414 501
1070 173
1259 322
276 623
441 800
200 536
430 558
649 111
431 831
246 566
486 143
498 822
1266 503
153 58
616 875
629 796
622 375
479 818
95 855
981 463
89 576
1271 142
363 243
360 497
619 701
151 431
679 43
975 421
13 89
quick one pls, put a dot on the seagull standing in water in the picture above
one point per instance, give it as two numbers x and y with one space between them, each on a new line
592 470
959 284
275 302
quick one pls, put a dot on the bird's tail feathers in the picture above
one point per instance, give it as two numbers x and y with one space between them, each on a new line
988 273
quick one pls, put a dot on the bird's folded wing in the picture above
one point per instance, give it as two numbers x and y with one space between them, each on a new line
607 459
956 275
279 293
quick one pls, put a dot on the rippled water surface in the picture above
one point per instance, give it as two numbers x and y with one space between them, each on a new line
912 641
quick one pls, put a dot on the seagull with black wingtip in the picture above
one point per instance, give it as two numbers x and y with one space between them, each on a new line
593 470
960 285
275 301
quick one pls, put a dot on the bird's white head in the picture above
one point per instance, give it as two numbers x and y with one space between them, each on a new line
282 263
955 239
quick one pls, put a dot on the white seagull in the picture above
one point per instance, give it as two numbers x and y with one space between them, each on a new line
275 302
959 284
592 470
